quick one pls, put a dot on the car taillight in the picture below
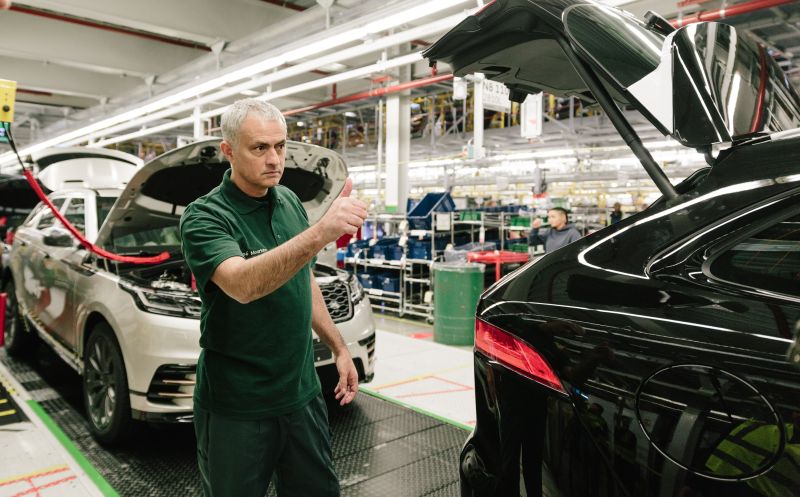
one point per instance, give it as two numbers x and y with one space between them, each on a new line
515 354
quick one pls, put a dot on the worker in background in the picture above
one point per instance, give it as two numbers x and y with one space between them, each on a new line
258 406
560 234
616 213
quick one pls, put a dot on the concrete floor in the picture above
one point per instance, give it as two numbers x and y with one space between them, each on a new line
412 371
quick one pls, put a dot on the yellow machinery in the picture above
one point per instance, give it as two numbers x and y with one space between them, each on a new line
8 93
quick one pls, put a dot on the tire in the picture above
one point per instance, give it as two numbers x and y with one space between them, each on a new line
19 341
105 388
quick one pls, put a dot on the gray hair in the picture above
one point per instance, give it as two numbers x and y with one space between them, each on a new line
233 118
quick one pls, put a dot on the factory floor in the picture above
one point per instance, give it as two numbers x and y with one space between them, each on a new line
405 429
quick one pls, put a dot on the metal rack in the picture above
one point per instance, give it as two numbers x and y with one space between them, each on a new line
415 275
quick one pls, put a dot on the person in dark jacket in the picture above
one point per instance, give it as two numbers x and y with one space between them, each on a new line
616 214
560 234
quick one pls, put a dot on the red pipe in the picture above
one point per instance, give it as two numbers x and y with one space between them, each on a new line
35 92
377 92
107 27
730 11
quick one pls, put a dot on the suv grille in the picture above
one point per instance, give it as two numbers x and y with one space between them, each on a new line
337 298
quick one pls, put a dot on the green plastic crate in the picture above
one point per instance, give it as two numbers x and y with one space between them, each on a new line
521 221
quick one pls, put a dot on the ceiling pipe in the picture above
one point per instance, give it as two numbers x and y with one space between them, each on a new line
729 11
377 92
108 27
35 92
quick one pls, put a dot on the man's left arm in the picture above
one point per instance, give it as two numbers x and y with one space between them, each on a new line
327 331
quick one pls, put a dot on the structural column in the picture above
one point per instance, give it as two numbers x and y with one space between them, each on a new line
477 116
398 146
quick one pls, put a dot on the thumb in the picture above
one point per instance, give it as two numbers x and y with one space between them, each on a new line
348 187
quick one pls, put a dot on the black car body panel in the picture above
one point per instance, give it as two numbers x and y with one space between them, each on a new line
657 357
662 348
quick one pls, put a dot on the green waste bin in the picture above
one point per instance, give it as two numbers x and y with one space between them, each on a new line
456 289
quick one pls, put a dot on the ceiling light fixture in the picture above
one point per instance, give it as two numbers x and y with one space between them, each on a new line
308 49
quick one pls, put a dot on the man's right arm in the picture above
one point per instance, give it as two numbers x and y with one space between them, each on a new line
246 280
535 237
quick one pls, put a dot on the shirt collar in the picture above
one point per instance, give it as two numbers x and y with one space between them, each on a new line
243 202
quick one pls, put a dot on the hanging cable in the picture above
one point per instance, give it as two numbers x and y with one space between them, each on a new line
72 229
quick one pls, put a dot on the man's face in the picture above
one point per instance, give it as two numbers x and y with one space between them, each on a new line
557 219
259 155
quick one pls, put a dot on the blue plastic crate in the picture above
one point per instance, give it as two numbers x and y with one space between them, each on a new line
393 252
421 216
365 279
362 244
377 280
375 252
419 252
391 284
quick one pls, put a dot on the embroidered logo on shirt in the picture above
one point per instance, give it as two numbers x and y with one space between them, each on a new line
252 253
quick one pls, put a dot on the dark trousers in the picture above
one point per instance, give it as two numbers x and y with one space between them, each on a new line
238 458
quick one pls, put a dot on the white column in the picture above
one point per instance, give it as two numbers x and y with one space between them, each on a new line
398 146
477 116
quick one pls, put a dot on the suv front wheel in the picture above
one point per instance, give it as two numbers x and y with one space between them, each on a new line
105 387
18 341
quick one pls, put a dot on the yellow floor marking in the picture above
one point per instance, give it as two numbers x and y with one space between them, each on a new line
421 376
8 412
51 469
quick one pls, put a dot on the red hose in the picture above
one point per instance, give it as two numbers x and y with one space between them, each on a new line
86 243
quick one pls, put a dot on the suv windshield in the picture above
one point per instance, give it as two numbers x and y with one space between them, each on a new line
104 205
147 240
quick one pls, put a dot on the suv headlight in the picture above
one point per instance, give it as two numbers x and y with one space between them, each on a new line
356 290
160 302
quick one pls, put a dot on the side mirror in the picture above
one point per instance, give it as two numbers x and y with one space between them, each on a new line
794 350
58 238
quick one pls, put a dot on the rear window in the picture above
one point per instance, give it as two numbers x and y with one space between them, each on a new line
619 43
769 260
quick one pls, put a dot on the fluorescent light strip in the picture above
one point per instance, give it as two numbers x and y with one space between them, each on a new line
145 132
356 73
405 36
419 11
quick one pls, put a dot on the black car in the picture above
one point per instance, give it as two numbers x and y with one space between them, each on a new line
659 356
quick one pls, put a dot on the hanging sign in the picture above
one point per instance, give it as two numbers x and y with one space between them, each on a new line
532 113
495 96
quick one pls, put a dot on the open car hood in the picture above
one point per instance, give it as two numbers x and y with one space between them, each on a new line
159 192
44 158
702 84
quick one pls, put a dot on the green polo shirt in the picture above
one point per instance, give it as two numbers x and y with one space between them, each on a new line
257 359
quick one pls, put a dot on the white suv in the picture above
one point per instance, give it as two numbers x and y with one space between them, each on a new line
132 331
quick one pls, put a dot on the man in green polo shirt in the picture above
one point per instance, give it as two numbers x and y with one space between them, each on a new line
258 405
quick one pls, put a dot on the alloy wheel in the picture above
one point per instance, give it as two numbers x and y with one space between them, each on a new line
101 388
